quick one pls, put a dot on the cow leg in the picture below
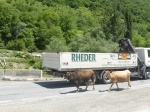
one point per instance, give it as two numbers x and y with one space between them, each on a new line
93 81
111 86
129 85
77 85
93 85
87 84
117 85
128 80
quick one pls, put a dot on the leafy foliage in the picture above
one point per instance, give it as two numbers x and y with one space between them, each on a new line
73 25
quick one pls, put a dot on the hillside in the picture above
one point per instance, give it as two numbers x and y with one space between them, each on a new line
19 60
73 25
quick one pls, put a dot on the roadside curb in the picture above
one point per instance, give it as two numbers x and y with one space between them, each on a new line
20 75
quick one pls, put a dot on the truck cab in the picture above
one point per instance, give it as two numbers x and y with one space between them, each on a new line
143 68
144 54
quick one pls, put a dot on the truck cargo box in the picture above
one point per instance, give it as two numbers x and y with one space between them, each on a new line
68 61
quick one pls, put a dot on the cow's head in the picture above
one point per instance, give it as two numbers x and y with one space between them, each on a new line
69 76
107 74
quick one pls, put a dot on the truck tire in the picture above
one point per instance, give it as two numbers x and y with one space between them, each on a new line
147 74
98 80
105 80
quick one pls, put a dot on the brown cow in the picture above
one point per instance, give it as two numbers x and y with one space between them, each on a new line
80 76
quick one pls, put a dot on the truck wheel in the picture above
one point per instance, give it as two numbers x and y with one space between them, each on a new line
98 80
105 80
147 74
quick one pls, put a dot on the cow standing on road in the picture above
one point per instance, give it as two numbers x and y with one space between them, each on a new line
80 76
118 76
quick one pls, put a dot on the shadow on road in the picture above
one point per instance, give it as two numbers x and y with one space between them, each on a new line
64 84
55 84
114 89
75 91
83 90
61 84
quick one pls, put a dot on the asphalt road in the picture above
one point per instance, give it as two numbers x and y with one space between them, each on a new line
60 96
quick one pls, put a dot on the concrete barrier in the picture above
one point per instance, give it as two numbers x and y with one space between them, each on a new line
20 74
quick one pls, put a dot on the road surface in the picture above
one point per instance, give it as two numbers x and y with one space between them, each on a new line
60 96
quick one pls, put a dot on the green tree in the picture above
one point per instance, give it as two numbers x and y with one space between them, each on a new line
112 23
9 21
55 45
76 44
138 40
17 44
1 43
99 45
85 19
128 21
73 23
39 33
67 22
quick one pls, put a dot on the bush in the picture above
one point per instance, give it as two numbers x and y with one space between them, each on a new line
98 45
17 54
35 63
56 45
16 45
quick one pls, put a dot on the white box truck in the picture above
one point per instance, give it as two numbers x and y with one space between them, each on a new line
136 60
69 61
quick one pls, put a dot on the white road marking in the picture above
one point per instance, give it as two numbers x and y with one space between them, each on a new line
9 86
7 101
